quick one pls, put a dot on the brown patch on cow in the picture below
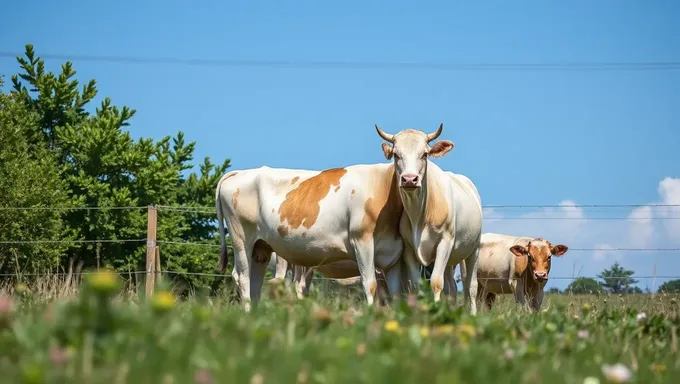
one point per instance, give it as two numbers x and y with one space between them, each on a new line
273 210
351 194
521 264
373 288
301 206
295 179
234 198
437 285
232 174
337 188
304 234
262 252
283 230
382 211
437 207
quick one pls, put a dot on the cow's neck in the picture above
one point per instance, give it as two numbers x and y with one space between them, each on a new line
416 206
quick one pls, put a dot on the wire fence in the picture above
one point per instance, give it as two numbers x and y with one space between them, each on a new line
156 271
211 211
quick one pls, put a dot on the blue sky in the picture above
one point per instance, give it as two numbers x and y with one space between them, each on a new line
524 137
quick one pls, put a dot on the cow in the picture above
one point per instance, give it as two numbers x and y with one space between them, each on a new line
310 218
344 273
516 265
442 218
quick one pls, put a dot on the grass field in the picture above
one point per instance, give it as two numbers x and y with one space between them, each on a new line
99 335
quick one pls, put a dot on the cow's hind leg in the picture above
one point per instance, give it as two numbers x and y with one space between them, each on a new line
262 254
471 287
490 299
364 252
450 287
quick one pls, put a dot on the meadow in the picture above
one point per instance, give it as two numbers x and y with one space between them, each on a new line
102 332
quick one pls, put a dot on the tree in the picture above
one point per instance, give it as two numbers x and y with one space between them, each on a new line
554 290
671 286
102 166
618 279
29 177
584 285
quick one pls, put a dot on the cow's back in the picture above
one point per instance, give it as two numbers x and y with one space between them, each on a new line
305 215
496 262
467 211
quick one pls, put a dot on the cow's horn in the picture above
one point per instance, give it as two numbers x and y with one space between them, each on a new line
436 133
384 135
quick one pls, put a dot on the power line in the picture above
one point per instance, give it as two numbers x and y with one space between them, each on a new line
352 64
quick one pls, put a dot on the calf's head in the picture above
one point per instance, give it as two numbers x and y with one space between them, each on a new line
410 149
539 253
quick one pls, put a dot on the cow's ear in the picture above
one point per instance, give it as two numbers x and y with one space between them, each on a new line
387 150
440 148
518 250
559 250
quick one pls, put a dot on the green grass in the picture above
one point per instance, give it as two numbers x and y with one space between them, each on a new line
96 336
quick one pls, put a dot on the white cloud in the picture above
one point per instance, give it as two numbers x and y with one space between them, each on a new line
595 244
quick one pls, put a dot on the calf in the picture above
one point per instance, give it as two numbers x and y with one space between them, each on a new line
310 218
343 272
517 265
442 220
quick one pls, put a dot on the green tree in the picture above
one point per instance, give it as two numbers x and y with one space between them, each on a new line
29 177
618 279
554 290
670 286
104 167
584 285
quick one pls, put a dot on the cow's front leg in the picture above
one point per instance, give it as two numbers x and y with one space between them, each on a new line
364 251
442 256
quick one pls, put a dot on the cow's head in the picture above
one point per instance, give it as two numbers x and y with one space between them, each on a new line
410 149
538 254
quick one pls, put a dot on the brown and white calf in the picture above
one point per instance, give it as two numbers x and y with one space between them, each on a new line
515 265
311 218
442 218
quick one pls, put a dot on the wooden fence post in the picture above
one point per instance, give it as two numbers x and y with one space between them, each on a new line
151 222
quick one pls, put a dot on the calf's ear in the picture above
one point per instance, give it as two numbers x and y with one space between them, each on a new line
559 250
387 150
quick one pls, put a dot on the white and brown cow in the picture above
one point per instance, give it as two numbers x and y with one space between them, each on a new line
515 265
311 218
442 219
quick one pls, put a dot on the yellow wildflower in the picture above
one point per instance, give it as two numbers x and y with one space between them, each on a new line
163 301
105 282
658 368
445 329
424 332
467 330
392 326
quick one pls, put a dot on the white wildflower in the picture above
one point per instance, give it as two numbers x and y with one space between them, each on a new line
641 317
617 373
583 334
591 380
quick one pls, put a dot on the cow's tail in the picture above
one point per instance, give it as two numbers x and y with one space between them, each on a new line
220 221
